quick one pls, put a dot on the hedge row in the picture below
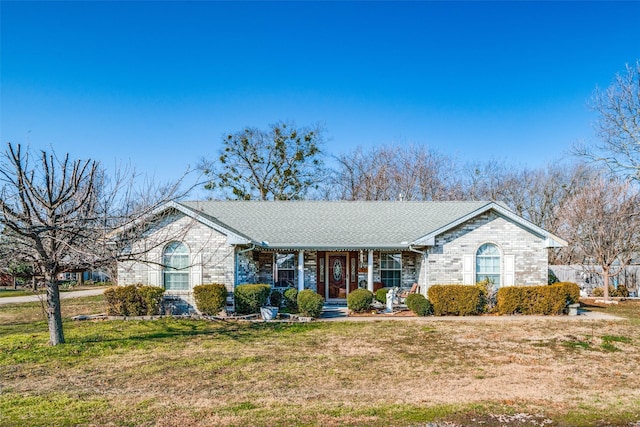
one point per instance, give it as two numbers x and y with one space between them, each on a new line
133 300
455 300
548 299
458 300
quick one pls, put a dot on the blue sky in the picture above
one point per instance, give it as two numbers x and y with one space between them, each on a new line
158 83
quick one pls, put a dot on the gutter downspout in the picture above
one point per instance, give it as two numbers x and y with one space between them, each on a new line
235 267
424 262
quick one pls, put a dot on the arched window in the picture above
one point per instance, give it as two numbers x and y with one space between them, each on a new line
176 266
488 264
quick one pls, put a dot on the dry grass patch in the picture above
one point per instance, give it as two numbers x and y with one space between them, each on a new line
184 372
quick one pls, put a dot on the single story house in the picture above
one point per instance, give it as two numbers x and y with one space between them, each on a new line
334 247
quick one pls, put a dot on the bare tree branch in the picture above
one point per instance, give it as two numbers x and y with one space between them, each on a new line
62 214
617 125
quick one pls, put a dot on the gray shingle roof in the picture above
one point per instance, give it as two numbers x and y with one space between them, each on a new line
335 225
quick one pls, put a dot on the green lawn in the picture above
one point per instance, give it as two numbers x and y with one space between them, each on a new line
10 292
177 372
4 293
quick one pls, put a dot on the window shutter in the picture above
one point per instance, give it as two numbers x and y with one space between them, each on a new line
320 273
353 271
154 270
467 269
196 270
509 270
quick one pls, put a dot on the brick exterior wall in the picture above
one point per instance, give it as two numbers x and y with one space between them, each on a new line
445 259
212 259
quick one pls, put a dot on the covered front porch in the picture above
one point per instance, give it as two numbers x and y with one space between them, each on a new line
331 273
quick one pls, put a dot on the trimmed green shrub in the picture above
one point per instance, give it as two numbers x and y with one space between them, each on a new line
548 299
275 299
133 300
359 300
310 303
457 300
249 298
291 299
418 304
381 295
210 299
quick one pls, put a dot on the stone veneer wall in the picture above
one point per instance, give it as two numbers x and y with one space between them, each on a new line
260 269
248 268
445 259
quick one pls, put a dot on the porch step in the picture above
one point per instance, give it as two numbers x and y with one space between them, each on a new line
333 311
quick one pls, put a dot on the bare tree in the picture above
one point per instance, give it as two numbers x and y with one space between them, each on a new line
617 125
281 163
62 215
602 223
395 172
483 180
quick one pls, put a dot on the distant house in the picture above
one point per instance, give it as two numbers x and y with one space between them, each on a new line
336 247
81 276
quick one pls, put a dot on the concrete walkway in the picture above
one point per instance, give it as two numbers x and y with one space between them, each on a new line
42 297
340 313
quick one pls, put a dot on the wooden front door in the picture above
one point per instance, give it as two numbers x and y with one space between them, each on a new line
338 277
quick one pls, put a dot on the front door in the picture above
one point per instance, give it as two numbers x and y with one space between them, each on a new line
338 275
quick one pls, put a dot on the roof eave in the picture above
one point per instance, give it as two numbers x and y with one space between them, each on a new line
336 247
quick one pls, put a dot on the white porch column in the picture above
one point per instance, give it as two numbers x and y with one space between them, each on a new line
370 271
425 282
300 270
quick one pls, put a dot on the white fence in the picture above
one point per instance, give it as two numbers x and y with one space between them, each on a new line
587 277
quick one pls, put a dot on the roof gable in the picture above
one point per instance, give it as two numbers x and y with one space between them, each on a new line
550 239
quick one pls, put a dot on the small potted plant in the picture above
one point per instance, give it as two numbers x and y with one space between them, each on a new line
270 312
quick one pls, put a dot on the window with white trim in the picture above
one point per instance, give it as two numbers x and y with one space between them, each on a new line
391 270
285 268
175 259
488 264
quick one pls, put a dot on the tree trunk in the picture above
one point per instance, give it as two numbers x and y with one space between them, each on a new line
605 276
54 315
